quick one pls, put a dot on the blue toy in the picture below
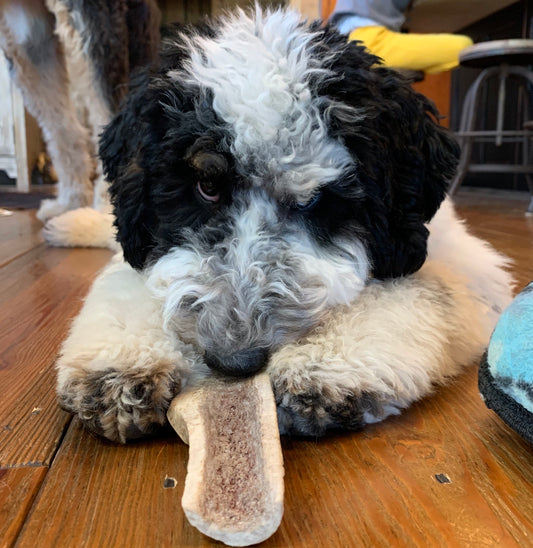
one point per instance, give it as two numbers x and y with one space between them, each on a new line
506 371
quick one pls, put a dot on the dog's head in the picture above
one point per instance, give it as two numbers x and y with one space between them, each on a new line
263 173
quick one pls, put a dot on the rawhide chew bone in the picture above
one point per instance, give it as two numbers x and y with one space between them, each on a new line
234 486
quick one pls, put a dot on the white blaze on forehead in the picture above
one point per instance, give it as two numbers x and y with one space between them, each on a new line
258 70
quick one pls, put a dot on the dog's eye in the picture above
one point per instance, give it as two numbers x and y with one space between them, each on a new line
309 205
208 191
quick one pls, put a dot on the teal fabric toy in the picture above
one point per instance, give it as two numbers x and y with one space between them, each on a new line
506 371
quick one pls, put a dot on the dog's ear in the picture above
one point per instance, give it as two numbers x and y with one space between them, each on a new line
404 157
125 146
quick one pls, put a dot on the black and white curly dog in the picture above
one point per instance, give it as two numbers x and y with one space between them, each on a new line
273 186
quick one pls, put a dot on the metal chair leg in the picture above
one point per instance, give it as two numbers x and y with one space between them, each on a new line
529 210
502 77
468 121
462 168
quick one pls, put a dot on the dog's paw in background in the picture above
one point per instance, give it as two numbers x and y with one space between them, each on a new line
51 208
69 197
83 227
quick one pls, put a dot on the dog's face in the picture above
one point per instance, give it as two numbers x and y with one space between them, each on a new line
262 173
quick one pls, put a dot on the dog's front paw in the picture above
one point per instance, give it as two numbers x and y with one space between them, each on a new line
312 410
121 405
317 389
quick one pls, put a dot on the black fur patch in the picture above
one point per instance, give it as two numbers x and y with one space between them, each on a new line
315 413
120 37
403 159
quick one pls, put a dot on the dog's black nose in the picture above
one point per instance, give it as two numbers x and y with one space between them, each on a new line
239 364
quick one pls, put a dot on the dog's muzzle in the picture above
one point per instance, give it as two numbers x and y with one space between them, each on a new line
263 284
239 364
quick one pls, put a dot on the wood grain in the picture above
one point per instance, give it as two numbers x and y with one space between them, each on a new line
499 217
40 292
20 232
18 487
98 494
373 488
384 489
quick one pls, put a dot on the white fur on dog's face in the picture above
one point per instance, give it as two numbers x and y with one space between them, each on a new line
264 284
259 72
263 173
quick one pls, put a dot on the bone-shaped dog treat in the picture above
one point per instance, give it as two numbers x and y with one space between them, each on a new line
234 486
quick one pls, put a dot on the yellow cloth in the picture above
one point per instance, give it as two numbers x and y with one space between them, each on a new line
430 53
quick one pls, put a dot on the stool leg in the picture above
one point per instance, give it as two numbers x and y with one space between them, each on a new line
529 179
526 147
465 142
468 121
501 104
521 71
528 153
462 168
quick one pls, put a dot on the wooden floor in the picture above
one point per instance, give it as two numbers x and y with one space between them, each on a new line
60 487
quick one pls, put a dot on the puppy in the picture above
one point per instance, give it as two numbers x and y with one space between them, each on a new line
272 186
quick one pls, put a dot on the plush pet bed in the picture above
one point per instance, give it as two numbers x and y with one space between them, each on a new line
280 202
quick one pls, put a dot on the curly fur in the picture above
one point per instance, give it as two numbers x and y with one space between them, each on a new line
324 115
364 362
121 383
272 187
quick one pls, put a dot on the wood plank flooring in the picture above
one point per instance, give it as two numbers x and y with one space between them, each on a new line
60 487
